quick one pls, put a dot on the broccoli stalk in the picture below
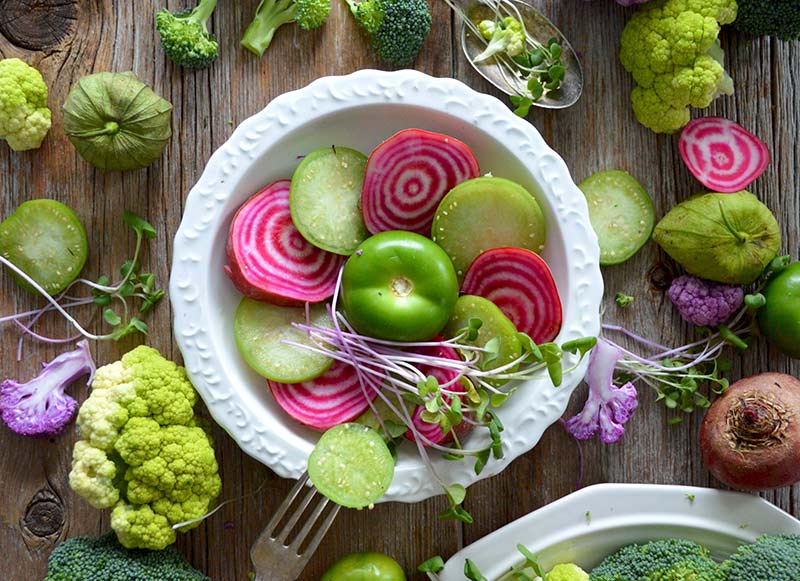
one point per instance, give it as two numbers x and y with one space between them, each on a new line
397 28
185 37
272 14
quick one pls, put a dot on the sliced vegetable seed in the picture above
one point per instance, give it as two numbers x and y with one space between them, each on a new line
621 213
325 199
261 330
351 465
46 240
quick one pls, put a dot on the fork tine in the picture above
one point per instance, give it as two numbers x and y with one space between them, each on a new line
312 519
290 498
322 530
296 514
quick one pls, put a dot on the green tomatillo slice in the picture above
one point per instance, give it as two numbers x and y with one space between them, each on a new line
399 286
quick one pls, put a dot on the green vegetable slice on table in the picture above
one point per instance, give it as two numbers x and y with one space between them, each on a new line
185 37
47 241
143 452
621 213
116 122
24 116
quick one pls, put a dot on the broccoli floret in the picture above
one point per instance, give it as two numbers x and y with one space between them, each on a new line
506 35
272 14
663 560
104 559
778 18
397 28
185 37
772 557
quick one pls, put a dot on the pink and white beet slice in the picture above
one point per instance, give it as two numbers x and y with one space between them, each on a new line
408 175
520 283
721 154
269 260
333 398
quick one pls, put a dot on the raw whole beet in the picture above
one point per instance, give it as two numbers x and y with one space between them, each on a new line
750 437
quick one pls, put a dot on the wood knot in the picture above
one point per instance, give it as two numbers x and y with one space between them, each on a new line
44 515
661 275
37 24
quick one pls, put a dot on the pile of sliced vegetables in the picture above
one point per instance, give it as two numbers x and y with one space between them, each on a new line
431 321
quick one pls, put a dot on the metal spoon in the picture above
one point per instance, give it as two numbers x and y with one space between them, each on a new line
539 27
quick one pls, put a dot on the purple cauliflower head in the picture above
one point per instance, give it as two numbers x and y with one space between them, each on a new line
705 303
40 408
608 407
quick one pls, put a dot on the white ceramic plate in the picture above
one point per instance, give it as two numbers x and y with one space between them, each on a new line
621 514
359 111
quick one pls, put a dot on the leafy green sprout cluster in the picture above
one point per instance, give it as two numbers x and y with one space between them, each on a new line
528 569
118 300
390 369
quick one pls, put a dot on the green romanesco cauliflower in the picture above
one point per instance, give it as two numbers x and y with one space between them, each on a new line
567 572
672 49
24 116
143 451
504 36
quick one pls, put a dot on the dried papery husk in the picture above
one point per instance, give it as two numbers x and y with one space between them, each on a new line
116 122
728 238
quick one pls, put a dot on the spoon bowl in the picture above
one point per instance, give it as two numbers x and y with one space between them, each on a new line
539 27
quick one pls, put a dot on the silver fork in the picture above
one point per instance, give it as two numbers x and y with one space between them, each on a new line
273 555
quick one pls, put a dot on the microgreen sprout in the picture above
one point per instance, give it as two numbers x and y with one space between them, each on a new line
528 569
469 398
529 67
115 299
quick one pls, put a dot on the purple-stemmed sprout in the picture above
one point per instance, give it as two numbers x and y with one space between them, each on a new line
391 369
131 285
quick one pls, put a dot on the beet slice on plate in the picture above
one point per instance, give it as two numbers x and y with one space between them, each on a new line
408 175
520 283
721 154
269 260
333 398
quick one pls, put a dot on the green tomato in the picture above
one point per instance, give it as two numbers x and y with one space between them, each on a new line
365 567
779 319
399 286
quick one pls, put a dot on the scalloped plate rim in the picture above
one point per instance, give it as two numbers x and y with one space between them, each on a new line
359 88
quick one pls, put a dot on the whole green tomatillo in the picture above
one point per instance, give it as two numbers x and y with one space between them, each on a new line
365 567
399 286
779 319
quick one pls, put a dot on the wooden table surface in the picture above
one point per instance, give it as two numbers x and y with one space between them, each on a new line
67 39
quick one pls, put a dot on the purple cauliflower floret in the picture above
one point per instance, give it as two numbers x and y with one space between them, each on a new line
608 407
704 303
40 408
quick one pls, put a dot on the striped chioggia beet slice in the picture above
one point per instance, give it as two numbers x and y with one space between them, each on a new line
520 283
269 260
408 175
333 398
432 431
721 154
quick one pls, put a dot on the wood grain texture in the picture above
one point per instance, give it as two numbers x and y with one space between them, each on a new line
37 508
